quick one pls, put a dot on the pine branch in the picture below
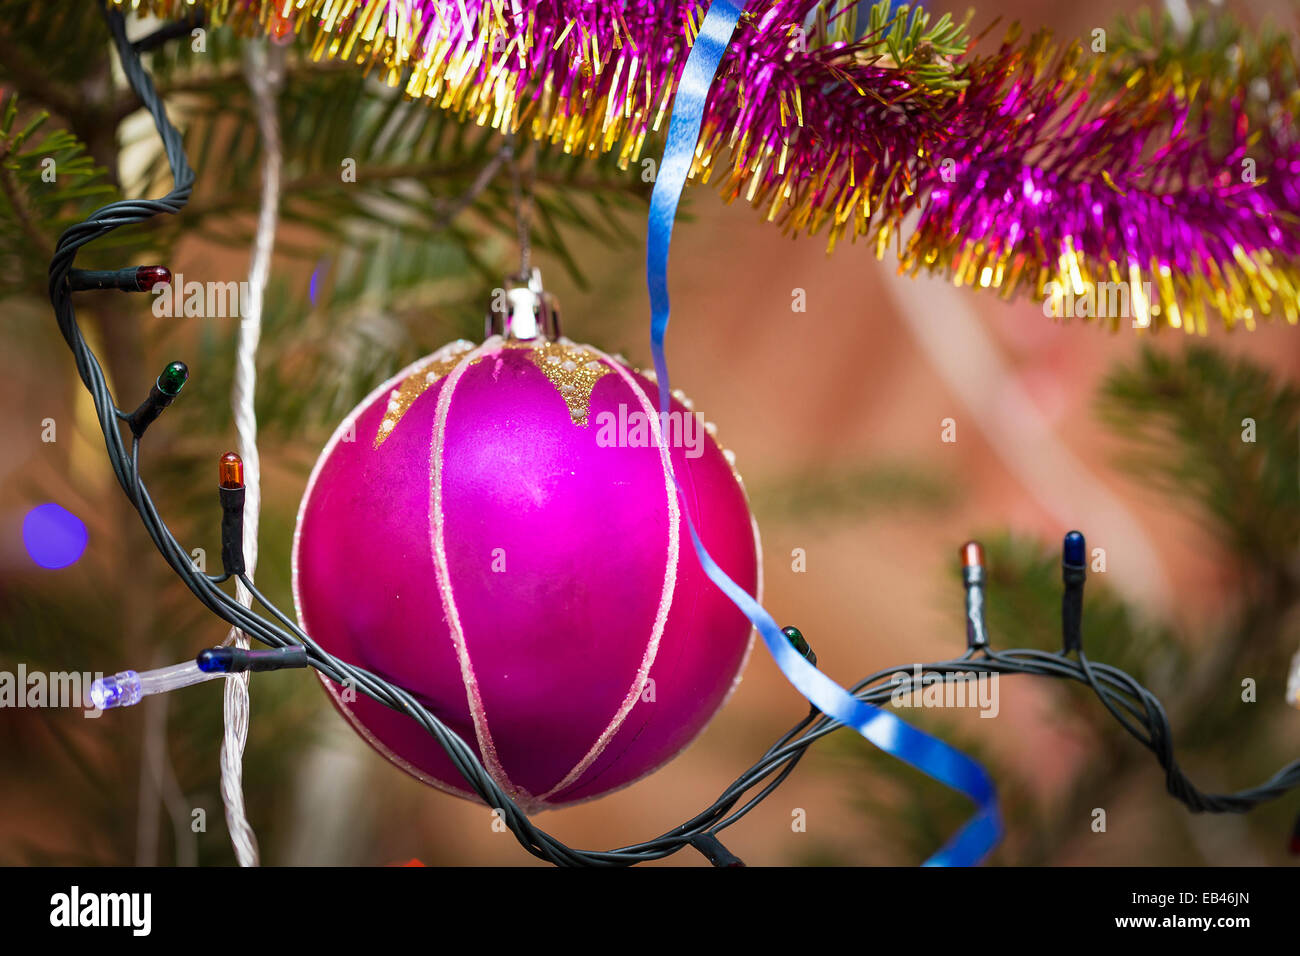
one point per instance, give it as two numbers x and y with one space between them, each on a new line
25 71
54 51
1218 434
401 151
310 185
215 84
21 211
47 181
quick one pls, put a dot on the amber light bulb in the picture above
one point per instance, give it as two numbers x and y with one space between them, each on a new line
231 471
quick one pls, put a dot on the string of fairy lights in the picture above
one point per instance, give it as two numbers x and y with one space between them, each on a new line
1137 710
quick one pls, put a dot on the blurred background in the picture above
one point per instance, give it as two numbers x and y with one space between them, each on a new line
834 413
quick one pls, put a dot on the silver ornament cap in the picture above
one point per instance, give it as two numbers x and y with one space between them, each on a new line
522 310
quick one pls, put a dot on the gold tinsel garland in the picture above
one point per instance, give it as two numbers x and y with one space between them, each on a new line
1079 180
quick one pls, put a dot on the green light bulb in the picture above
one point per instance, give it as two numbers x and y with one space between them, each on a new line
797 641
173 377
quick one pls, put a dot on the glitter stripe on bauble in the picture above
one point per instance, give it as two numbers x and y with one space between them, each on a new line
1032 170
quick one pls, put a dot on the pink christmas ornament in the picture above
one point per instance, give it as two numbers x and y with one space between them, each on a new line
494 530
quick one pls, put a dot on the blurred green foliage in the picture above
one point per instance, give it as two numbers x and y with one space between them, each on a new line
1181 420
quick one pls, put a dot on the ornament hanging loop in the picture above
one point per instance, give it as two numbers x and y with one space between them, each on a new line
522 310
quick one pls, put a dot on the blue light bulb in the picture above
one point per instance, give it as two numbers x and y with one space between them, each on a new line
1074 549
215 660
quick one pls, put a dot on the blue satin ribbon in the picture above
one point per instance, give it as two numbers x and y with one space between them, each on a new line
927 753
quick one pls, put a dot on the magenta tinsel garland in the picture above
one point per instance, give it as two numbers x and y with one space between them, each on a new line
1025 169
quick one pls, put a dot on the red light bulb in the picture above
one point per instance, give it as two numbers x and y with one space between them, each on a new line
147 278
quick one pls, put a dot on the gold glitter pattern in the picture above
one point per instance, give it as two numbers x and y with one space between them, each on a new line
573 370
416 384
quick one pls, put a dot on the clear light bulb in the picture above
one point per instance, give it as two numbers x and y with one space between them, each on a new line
128 687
